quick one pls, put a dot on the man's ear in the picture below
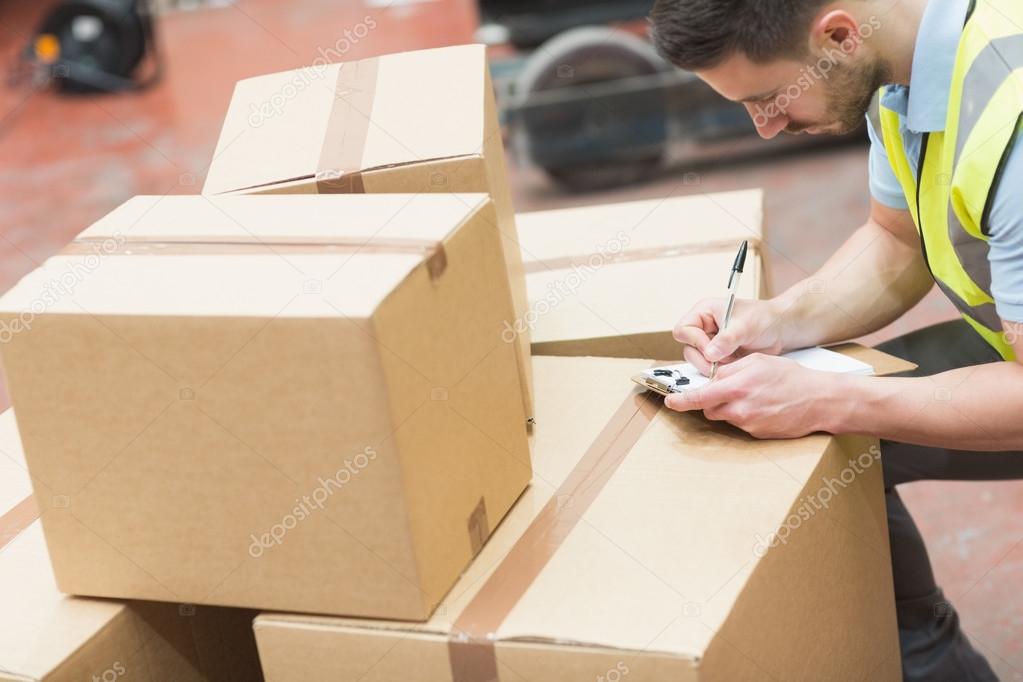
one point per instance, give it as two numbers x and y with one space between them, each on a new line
835 30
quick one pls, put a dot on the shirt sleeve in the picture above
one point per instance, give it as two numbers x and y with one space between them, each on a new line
1005 232
884 186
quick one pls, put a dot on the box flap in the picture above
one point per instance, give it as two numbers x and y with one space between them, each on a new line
628 297
443 89
276 128
718 220
272 280
287 217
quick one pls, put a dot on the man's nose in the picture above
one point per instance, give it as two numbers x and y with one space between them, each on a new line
767 126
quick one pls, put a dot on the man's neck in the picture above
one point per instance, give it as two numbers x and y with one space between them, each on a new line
900 25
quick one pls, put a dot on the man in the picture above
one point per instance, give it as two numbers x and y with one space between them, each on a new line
946 182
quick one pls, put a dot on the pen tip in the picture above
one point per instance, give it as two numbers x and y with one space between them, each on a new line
740 258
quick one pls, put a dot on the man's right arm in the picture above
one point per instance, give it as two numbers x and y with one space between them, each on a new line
872 280
875 277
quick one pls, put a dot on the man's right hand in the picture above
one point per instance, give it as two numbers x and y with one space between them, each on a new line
755 327
876 276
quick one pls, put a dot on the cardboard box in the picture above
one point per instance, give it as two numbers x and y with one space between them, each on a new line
612 280
651 546
291 402
422 122
46 635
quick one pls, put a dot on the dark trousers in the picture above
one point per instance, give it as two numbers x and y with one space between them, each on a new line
934 647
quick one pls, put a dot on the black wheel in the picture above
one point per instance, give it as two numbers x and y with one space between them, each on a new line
581 117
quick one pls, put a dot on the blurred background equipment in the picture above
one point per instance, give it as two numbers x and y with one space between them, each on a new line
528 24
89 46
590 107
596 107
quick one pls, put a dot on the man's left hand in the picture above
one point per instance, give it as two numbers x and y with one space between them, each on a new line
766 396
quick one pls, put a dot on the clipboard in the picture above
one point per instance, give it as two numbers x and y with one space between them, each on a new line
684 376
664 388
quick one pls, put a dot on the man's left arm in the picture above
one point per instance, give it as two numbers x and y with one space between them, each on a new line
971 408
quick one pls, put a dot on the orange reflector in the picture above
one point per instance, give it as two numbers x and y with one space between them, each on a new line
47 48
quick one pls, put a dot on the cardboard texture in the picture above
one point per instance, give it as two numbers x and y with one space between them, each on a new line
344 128
612 280
296 403
651 546
46 635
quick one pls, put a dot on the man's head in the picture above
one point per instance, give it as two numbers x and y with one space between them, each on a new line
797 65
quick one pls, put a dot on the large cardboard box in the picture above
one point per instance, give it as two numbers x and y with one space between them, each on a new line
422 122
49 636
651 546
612 280
288 402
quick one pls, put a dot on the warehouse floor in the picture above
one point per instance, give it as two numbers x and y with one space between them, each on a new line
65 162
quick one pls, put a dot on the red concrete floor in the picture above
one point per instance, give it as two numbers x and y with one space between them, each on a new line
65 162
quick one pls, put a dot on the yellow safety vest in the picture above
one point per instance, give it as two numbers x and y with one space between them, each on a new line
959 168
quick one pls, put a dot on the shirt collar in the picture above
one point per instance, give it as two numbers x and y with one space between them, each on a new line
925 102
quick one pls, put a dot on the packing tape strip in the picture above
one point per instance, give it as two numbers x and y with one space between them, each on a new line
432 252
16 519
339 168
471 644
565 262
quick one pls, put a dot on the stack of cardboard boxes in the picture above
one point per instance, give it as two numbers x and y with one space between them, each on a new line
310 393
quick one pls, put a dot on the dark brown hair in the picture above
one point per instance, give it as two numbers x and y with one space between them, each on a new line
699 34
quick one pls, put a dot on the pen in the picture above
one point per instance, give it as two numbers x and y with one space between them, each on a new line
733 286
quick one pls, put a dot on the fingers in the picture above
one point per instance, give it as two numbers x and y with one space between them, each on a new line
695 357
700 329
694 331
709 396
691 336
729 369
703 316
686 401
726 342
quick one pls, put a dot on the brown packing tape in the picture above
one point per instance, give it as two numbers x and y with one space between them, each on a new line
16 519
471 647
333 182
631 255
339 168
433 253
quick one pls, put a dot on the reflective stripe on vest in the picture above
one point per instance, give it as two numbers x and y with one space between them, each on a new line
951 202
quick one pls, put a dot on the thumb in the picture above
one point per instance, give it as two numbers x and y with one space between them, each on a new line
724 343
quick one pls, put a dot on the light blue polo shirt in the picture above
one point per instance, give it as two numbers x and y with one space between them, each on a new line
922 108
